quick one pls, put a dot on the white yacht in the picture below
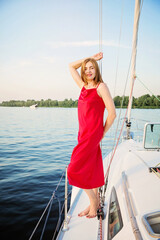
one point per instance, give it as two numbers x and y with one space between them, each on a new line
130 199
34 106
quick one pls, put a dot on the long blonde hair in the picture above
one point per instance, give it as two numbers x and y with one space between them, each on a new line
97 78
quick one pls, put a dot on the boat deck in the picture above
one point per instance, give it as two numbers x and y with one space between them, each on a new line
78 226
133 160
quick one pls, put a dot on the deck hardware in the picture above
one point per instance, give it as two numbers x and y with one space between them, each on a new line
65 225
102 197
156 169
100 212
151 222
133 220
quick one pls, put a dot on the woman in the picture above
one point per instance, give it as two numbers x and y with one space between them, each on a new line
86 167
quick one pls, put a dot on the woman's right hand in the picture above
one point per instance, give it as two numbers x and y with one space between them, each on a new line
98 56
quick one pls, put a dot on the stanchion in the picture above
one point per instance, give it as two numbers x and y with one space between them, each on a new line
65 226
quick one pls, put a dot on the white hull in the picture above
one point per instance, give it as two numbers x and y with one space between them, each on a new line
34 106
131 158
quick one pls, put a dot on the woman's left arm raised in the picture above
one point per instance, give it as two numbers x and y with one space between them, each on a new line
109 104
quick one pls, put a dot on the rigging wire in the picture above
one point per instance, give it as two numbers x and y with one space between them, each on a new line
125 86
100 67
48 206
147 88
113 152
118 49
59 220
107 172
138 4
100 41
41 237
126 81
100 34
114 147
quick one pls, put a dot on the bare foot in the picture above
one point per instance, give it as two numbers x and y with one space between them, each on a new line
85 212
93 209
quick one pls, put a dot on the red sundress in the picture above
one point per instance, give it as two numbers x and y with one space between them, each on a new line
86 166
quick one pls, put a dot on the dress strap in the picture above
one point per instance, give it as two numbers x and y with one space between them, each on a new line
97 85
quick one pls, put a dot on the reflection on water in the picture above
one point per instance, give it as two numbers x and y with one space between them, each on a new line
35 147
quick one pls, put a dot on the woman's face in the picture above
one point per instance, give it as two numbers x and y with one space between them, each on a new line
90 71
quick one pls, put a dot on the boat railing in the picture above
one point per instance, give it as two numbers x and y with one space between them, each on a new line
49 206
66 217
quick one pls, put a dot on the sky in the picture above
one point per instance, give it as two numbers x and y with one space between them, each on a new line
39 38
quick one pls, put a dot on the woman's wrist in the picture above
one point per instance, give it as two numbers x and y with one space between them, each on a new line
97 56
78 63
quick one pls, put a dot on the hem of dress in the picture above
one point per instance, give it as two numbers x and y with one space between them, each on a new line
84 187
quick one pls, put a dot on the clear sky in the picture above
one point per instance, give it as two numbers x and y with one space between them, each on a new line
38 38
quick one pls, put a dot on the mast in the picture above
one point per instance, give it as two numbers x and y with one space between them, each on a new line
133 60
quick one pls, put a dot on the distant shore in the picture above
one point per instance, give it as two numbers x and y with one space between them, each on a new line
145 101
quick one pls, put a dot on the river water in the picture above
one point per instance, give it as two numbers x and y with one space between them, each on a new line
35 147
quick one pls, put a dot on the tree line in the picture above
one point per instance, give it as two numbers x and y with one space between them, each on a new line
145 101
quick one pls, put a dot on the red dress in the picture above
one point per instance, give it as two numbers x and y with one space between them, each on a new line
86 166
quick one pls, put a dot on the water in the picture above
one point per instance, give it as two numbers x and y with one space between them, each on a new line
35 147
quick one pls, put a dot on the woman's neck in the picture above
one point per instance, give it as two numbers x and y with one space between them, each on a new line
91 84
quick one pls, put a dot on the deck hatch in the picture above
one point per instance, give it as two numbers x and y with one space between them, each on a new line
152 223
151 137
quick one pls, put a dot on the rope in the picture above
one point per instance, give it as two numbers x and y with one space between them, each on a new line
119 133
148 89
100 220
158 170
105 188
157 174
49 204
100 214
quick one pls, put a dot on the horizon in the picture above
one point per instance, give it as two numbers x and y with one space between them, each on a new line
38 40
71 98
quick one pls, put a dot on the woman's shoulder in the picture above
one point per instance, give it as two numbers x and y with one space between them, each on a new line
102 85
103 89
